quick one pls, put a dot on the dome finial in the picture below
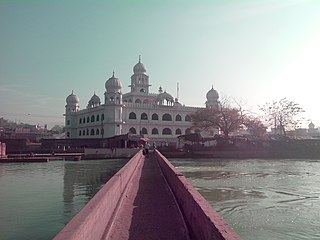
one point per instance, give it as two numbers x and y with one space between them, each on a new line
113 74
139 58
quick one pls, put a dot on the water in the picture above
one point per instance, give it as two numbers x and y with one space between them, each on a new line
261 199
38 199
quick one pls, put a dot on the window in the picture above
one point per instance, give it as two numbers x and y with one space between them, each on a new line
144 131
132 130
178 131
166 131
80 120
142 90
154 116
87 132
138 101
83 132
178 118
102 131
92 132
154 131
144 116
97 132
80 133
166 117
102 117
88 119
92 118
84 120
68 134
188 118
132 115
68 122
188 131
98 118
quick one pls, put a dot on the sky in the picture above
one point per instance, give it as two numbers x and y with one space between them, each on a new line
254 50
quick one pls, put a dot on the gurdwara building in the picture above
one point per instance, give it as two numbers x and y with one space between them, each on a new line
157 116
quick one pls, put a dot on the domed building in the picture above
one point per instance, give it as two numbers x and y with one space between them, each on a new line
158 116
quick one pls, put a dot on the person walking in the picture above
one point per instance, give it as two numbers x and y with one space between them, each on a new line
146 149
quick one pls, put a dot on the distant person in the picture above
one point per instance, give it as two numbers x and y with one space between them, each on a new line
146 148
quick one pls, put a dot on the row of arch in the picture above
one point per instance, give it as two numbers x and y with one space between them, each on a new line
93 118
165 117
155 131
92 132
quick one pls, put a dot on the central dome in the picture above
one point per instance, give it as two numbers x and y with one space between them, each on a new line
139 67
212 95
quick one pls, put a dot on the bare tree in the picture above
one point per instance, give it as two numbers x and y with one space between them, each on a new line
283 115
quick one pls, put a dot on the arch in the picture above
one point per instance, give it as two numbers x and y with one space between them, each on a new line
83 132
166 131
88 119
102 117
154 131
92 118
132 115
155 116
178 131
166 117
187 118
111 99
68 134
98 118
80 120
132 130
84 120
87 132
142 90
80 133
137 101
144 131
102 131
144 116
97 132
188 131
178 118
92 132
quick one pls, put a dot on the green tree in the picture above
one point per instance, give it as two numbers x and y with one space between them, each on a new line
283 115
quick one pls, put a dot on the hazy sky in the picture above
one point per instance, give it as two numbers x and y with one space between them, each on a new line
256 50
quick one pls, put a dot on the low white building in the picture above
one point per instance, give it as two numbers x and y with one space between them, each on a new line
158 116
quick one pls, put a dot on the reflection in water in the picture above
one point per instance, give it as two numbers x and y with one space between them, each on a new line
260 199
38 199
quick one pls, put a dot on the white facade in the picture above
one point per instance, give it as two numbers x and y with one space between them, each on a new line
158 116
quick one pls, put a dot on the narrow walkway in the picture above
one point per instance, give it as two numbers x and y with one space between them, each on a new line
139 217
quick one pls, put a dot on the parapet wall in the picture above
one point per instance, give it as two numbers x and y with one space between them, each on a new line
97 215
202 220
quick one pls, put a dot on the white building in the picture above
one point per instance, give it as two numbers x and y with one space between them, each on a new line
158 116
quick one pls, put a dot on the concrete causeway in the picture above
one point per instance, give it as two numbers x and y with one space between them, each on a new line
147 199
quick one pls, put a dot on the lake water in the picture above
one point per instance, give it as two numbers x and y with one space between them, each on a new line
38 199
260 199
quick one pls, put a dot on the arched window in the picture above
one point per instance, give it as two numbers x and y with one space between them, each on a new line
178 131
80 133
188 118
144 116
84 120
92 118
87 132
166 131
154 116
132 115
166 117
188 131
144 131
102 117
142 90
132 130
68 134
102 131
98 118
80 120
88 119
138 101
97 132
92 132
83 132
130 100
154 131
111 99
178 118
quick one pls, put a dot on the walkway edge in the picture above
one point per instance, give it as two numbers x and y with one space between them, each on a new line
202 220
97 215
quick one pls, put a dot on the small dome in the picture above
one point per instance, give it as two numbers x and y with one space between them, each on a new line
212 95
165 96
311 125
113 84
176 102
95 99
72 99
139 67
